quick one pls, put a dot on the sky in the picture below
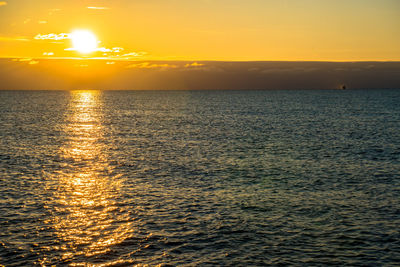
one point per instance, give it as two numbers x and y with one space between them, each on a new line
217 30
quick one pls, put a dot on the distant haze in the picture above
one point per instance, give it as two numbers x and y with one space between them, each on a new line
67 74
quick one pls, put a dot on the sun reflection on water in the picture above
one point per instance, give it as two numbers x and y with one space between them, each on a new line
88 216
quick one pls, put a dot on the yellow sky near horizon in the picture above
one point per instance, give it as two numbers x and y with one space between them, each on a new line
228 30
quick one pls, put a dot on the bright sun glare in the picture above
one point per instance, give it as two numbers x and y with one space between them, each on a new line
84 41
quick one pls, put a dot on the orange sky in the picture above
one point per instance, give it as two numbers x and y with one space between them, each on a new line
229 30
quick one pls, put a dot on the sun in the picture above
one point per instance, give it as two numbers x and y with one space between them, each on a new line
84 41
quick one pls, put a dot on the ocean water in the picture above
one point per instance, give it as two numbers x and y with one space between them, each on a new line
226 178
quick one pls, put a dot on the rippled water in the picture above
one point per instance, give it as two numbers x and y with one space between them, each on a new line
200 178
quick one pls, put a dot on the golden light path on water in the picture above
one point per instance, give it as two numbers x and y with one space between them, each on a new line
88 218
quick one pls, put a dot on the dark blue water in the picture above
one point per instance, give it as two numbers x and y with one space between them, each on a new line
200 178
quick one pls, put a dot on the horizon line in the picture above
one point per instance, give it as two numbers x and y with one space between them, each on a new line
195 60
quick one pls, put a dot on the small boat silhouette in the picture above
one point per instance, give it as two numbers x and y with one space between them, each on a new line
343 87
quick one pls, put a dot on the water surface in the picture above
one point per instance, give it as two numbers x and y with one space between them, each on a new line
199 178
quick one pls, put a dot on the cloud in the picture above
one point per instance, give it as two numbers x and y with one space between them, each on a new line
284 70
175 65
148 65
116 53
52 36
22 59
54 10
42 21
117 49
18 38
3 3
200 67
30 61
48 54
194 65
104 50
110 50
98 7
133 54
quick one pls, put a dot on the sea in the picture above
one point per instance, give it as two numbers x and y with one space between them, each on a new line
200 178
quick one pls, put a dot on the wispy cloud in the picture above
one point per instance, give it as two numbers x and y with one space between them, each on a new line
42 21
289 70
3 3
194 65
98 7
18 38
148 65
54 10
178 66
116 53
52 36
110 50
22 59
30 61
133 55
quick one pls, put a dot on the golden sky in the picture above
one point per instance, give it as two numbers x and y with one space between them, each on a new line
228 30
